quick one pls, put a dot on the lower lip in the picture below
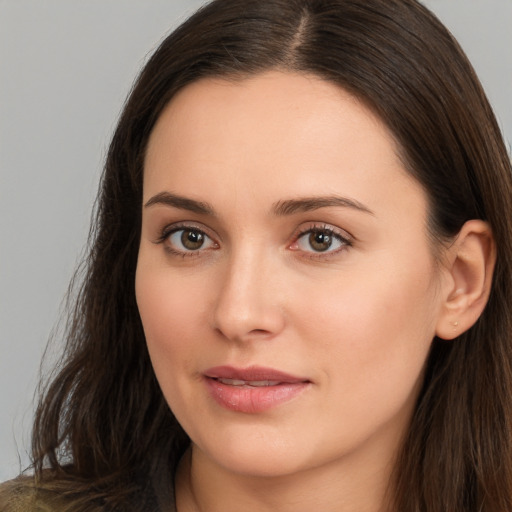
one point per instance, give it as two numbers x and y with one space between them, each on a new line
253 399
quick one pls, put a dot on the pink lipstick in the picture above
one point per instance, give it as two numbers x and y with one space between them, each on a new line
254 389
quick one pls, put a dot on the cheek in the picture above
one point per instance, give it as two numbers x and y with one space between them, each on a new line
172 316
371 344
373 331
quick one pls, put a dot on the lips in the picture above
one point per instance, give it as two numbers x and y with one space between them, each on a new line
254 389
253 383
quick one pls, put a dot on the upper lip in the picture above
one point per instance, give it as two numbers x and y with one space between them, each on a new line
252 373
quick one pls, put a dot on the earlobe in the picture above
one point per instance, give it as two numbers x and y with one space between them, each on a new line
470 264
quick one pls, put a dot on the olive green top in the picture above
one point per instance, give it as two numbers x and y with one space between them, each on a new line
21 495
17 496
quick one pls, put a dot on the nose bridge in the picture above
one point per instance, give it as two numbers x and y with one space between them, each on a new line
248 303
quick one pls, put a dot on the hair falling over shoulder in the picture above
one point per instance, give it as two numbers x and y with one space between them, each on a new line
103 432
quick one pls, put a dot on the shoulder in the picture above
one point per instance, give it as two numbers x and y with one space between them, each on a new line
22 494
19 495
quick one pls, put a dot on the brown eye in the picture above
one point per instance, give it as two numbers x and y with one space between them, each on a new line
320 241
191 239
186 240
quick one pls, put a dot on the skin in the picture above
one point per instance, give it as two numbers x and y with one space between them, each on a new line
356 320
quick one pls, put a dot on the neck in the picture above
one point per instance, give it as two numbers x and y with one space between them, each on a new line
203 486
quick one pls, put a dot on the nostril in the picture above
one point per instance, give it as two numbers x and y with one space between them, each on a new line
259 331
253 334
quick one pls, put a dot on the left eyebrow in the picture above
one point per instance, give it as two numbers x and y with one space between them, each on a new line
306 204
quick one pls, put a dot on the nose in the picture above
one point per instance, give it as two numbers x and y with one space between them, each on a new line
248 305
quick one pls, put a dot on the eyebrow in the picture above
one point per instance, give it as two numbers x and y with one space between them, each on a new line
183 203
306 204
281 208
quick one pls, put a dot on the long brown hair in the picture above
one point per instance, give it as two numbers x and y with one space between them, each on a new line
103 426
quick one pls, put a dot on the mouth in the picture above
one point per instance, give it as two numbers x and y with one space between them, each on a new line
252 390
249 383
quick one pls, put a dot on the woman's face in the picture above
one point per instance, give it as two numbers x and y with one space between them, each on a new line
285 280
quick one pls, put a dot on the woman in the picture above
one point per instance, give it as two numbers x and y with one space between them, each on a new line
299 285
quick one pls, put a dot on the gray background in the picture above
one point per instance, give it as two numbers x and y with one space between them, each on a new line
65 68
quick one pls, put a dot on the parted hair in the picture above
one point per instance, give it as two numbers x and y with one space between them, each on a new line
103 428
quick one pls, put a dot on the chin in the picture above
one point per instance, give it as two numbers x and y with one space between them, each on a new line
257 456
260 465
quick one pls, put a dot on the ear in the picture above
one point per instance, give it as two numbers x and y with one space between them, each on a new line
469 265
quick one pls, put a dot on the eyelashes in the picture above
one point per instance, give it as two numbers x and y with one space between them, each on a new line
186 240
320 240
314 241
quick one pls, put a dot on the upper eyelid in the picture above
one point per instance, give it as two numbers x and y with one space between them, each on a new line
177 226
319 226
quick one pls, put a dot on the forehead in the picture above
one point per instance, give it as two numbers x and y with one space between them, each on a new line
275 134
290 104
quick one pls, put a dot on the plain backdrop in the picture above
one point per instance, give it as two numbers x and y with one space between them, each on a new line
65 69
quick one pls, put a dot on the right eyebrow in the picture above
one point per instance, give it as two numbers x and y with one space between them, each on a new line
183 203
